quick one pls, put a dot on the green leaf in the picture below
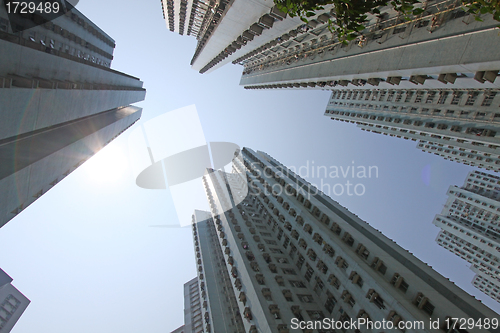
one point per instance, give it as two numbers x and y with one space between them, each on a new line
417 11
351 37
309 14
477 18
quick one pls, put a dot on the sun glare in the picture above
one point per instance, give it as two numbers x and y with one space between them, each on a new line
108 165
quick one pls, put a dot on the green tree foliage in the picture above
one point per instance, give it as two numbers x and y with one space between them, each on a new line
478 7
349 16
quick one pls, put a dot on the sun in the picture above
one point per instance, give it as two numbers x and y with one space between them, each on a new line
108 165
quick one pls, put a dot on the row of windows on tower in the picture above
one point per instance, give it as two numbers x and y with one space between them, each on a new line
460 246
377 264
462 114
471 130
417 96
355 278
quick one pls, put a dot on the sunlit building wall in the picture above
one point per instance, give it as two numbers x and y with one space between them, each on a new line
12 303
457 124
470 228
193 321
289 253
60 103
441 48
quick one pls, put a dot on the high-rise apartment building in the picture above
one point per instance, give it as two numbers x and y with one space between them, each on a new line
193 321
470 228
431 79
458 124
441 48
221 312
12 303
60 102
288 255
189 17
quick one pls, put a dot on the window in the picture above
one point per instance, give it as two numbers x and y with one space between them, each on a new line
279 280
332 279
348 239
322 267
335 228
488 98
329 250
362 251
382 95
260 279
430 97
297 284
289 271
312 255
296 313
275 311
306 298
356 279
288 295
471 98
315 315
420 95
318 288
409 95
280 233
457 95
300 261
378 265
4 24
375 299
398 282
423 303
330 302
309 272
390 96
443 95
347 297
286 242
398 96
267 294
341 263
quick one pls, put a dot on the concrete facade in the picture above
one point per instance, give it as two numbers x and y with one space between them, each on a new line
60 104
469 228
193 320
442 47
442 41
187 17
12 303
220 307
293 254
458 124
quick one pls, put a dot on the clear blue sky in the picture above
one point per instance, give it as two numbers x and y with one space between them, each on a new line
84 252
